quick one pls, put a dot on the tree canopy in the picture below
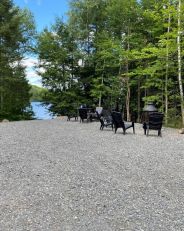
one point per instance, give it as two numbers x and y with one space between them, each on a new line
16 31
115 53
110 53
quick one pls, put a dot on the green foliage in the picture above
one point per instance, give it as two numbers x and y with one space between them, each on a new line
37 93
112 53
174 118
16 29
59 57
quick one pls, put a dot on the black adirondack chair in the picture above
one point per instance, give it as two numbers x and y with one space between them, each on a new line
72 114
119 123
105 120
87 113
155 120
69 116
83 114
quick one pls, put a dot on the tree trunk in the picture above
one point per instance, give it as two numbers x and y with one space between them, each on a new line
1 84
167 71
138 100
179 60
128 100
127 81
100 97
1 101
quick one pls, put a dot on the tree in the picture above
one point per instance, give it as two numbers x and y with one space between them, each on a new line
37 93
116 53
107 85
180 60
167 14
58 57
124 21
14 42
85 17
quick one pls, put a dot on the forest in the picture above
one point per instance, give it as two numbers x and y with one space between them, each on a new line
111 53
37 93
17 30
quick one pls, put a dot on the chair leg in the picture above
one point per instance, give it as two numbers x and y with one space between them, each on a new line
115 129
124 130
147 131
133 128
159 133
144 127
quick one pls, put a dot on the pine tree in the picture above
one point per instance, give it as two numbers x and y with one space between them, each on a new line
14 40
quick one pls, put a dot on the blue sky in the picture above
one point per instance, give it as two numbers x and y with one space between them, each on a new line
45 12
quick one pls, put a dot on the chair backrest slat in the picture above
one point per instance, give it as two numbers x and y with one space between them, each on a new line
83 113
155 120
119 123
117 118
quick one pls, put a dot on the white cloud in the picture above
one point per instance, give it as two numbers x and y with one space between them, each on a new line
41 70
31 74
30 62
33 78
38 2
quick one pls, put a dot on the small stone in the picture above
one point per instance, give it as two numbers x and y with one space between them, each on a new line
5 120
181 131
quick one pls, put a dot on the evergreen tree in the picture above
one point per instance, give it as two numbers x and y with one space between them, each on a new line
58 56
123 54
14 40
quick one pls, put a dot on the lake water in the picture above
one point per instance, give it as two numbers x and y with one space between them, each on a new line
41 112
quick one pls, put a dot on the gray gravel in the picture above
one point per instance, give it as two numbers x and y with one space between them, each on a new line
67 176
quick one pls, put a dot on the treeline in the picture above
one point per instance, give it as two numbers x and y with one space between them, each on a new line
37 93
116 54
110 53
16 34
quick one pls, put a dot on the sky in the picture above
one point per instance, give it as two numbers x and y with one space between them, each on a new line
44 12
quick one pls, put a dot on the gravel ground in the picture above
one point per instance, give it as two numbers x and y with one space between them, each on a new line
60 175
